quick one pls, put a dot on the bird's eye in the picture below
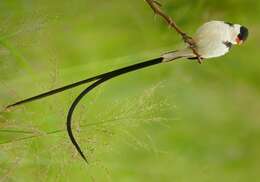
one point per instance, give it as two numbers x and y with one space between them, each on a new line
243 33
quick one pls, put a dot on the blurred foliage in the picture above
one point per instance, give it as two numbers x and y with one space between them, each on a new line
180 122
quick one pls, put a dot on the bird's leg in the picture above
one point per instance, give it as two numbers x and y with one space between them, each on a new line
192 45
189 40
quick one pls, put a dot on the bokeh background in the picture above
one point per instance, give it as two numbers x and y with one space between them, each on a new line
175 122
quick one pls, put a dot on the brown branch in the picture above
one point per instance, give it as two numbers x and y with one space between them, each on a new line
156 7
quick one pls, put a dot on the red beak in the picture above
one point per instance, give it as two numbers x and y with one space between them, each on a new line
238 41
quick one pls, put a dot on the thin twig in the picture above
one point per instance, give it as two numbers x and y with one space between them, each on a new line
156 7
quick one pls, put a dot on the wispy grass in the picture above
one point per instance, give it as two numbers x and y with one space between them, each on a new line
199 124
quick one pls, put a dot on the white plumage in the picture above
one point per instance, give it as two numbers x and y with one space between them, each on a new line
213 39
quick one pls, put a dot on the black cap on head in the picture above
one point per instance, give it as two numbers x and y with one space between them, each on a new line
243 33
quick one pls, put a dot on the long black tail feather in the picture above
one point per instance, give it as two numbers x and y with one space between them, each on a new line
70 86
95 84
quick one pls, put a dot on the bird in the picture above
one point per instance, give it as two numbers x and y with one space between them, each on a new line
212 39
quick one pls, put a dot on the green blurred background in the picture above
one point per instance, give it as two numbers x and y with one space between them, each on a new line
176 122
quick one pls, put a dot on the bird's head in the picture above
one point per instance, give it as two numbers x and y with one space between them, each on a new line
239 34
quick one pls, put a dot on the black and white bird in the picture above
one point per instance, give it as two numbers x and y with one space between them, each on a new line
212 39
